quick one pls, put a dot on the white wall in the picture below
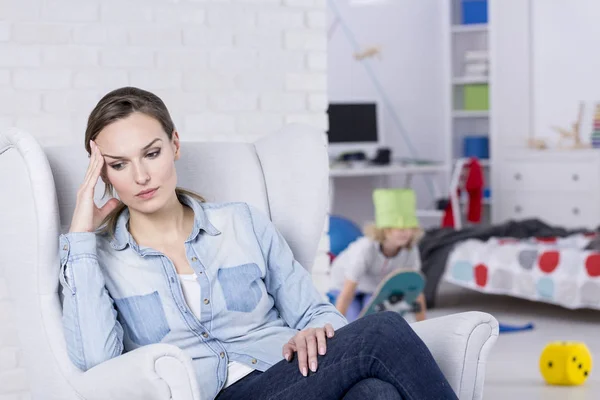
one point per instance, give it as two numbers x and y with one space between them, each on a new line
542 67
411 72
564 66
228 70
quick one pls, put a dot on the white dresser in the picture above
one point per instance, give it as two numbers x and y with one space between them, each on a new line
559 187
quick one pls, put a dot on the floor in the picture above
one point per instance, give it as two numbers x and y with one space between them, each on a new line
512 372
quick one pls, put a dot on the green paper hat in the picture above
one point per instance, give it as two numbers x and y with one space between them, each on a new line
395 208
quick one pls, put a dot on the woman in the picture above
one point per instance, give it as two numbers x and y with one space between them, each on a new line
216 280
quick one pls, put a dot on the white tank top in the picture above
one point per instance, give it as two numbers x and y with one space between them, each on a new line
191 292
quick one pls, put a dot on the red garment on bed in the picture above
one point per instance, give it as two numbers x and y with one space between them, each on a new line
474 187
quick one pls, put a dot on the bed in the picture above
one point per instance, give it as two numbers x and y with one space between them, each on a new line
557 270
528 259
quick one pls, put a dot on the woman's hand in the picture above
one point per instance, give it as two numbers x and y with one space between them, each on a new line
308 343
87 217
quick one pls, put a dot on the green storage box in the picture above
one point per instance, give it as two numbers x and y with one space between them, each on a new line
476 97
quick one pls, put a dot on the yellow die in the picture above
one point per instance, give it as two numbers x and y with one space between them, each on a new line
566 363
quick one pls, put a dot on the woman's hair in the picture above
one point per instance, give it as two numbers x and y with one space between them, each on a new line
378 234
114 106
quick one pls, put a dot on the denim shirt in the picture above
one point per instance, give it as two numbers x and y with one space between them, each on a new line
119 296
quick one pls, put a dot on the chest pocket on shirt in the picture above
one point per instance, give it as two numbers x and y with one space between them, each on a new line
241 287
143 318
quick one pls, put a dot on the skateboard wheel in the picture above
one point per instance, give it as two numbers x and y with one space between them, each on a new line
396 298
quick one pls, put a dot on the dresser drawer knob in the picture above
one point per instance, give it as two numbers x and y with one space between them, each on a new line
517 176
518 209
575 177
576 211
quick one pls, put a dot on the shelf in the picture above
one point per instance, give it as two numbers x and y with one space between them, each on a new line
430 213
466 80
470 28
470 114
363 169
484 163
486 201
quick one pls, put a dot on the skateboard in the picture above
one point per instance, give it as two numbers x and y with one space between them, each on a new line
398 292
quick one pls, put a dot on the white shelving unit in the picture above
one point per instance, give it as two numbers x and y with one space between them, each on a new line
470 114
469 28
466 45
466 80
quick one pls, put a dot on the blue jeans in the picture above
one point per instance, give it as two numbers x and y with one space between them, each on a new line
379 354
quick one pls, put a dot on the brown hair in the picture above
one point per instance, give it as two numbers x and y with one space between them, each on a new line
378 234
119 104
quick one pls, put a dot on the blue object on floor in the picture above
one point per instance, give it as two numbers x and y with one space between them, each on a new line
474 11
342 232
504 328
331 297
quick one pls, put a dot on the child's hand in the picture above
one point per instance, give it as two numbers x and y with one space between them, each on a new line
306 343
421 308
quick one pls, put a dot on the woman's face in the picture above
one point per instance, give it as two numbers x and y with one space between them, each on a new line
139 161
399 237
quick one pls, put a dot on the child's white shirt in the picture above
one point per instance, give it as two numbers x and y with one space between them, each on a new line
364 262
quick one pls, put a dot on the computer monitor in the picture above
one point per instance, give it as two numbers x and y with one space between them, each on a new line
354 126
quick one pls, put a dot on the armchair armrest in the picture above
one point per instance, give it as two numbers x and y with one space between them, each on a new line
460 344
154 372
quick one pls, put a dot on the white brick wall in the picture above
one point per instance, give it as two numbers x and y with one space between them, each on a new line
232 62
227 70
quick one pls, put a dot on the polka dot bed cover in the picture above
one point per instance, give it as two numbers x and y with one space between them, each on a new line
558 270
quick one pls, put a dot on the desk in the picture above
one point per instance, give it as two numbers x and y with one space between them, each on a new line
362 169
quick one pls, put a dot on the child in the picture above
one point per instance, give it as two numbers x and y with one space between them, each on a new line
388 245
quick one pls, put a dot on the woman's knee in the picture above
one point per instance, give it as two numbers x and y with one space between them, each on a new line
372 388
381 327
388 328
389 321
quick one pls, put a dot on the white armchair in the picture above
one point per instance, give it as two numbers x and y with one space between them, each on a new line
284 174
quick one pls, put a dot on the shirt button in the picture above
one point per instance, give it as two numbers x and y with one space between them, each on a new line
204 335
65 247
222 355
206 301
254 361
194 259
